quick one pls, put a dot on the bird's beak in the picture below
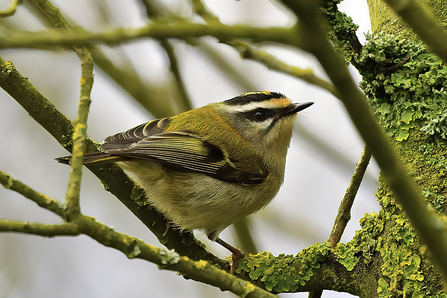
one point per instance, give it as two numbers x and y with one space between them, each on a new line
297 107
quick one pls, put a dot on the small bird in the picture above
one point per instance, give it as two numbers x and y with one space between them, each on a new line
206 168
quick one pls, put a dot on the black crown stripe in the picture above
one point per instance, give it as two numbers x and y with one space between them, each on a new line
253 97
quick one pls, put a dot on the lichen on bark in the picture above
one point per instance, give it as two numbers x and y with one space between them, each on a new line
407 89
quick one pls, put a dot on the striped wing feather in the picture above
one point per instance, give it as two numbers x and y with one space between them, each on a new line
180 149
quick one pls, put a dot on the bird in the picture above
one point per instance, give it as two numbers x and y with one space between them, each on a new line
206 168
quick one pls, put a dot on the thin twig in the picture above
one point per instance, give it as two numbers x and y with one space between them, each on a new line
42 200
344 211
80 133
80 128
244 237
154 11
40 229
11 10
248 52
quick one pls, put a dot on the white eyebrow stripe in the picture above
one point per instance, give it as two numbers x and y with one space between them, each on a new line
252 106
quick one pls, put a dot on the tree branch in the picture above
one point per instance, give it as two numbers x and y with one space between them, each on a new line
42 200
80 127
183 100
313 39
248 52
11 10
156 30
344 211
66 229
422 21
80 133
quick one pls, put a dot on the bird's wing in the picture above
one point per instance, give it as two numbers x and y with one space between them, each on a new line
183 150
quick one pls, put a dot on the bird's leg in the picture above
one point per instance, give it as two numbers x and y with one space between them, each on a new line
236 254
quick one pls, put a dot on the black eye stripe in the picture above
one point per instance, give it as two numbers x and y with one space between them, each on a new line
261 114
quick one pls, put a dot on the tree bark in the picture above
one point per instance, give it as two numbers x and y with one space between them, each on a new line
405 84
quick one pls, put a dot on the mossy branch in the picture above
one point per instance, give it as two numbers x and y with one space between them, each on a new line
421 20
341 31
313 39
168 259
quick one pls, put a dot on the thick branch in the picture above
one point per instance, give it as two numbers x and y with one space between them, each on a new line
315 268
422 21
313 39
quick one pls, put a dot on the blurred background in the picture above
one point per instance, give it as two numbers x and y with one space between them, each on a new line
303 212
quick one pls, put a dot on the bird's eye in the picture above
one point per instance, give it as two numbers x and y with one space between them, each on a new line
259 116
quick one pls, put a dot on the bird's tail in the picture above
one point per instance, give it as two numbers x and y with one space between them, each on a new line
92 158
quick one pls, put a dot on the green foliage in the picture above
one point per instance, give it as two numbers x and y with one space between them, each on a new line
285 273
404 83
